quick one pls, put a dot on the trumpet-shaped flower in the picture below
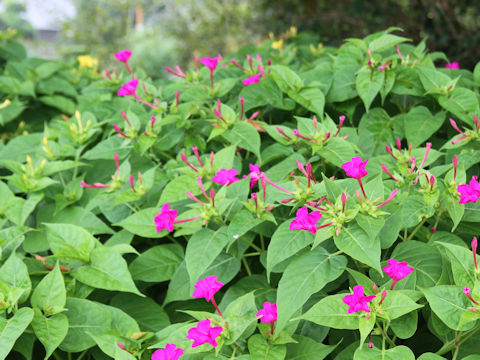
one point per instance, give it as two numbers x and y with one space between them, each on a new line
306 221
397 270
203 333
225 177
128 89
355 168
251 80
166 218
470 192
207 288
357 301
170 352
269 312
210 63
123 55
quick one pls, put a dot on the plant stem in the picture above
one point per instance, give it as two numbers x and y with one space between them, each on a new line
455 343
216 307
247 268
416 229
251 244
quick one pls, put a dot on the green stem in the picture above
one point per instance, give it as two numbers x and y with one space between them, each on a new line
247 268
78 152
80 357
262 242
449 346
251 244
57 356
416 229
455 354
335 253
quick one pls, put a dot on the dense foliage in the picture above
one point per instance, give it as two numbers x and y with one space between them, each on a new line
128 230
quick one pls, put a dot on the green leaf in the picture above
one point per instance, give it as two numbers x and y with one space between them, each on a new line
397 304
242 222
177 189
308 349
420 124
311 98
70 241
240 315
261 350
202 249
50 294
142 223
354 241
433 80
476 74
331 311
432 356
462 103
424 258
149 315
157 264
368 85
106 149
121 321
84 316
307 274
386 42
50 330
12 329
14 273
246 136
343 85
286 78
285 243
337 151
107 270
365 326
414 210
61 103
449 303
376 125
461 260
406 325
396 353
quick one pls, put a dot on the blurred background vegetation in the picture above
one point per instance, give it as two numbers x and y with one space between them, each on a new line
167 32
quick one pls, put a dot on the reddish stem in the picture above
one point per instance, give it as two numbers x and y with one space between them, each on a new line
361 187
216 307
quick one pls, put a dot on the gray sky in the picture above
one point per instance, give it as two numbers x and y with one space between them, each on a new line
48 14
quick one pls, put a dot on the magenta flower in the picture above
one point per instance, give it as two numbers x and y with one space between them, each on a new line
470 192
123 55
171 352
251 80
355 168
203 333
128 89
306 221
166 218
356 301
225 177
269 312
452 65
210 63
255 174
397 270
207 288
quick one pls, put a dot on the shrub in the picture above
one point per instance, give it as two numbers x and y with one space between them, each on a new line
319 190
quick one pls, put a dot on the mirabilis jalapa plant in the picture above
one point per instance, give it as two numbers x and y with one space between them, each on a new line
294 201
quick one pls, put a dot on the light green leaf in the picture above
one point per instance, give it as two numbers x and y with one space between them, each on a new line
50 294
261 350
420 124
14 273
368 85
157 264
177 189
70 241
396 353
308 349
246 136
12 329
49 330
240 315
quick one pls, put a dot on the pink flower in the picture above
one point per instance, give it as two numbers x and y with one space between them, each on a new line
171 352
225 177
210 63
123 55
269 312
453 65
255 174
207 288
251 80
357 301
203 333
128 89
166 218
306 221
397 270
470 192
355 168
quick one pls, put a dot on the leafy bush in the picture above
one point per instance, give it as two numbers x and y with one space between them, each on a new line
348 234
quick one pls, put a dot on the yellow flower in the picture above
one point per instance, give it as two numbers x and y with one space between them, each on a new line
278 45
86 61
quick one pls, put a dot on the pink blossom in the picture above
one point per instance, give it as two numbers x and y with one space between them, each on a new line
166 218
397 270
452 65
356 301
269 312
225 177
210 63
170 352
123 55
355 168
306 221
207 288
203 333
470 192
128 89
255 174
251 80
